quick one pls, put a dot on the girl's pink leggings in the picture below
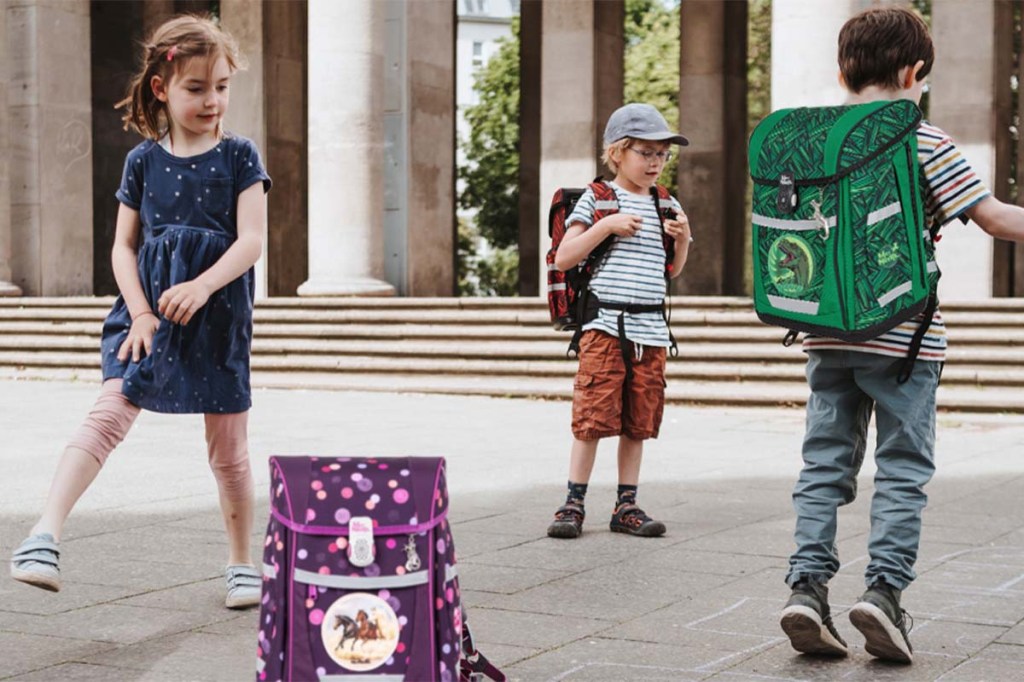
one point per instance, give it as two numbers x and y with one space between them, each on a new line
226 439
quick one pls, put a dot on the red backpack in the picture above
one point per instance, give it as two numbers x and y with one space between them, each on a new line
569 299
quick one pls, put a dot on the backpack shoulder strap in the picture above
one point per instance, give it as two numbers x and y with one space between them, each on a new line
606 203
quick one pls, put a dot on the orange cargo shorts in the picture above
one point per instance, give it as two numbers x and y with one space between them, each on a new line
604 404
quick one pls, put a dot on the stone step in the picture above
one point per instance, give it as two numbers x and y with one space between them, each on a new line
738 393
967 375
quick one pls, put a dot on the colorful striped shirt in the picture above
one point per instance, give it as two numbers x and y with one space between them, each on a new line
632 271
951 187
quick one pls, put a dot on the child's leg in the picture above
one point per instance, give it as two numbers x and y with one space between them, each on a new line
905 456
581 460
227 443
838 413
631 453
106 426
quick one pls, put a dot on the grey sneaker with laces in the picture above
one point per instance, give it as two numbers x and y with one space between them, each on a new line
807 621
879 617
245 586
36 562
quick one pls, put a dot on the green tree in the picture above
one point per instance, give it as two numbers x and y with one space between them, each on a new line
491 174
651 67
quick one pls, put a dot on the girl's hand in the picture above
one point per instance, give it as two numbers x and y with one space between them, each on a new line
621 224
679 229
179 303
140 337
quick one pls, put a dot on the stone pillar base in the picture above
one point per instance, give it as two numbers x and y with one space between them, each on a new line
9 290
348 286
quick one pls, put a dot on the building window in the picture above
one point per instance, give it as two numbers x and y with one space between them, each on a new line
478 53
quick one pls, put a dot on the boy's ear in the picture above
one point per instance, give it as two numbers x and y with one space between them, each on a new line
909 74
842 80
159 88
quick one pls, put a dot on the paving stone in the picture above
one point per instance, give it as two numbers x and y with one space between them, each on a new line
20 598
996 662
504 579
79 672
606 660
186 656
1014 635
531 630
113 623
24 652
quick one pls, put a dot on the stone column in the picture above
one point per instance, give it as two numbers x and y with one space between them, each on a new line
285 73
51 146
805 67
713 168
246 115
962 103
531 257
582 51
345 150
7 288
419 134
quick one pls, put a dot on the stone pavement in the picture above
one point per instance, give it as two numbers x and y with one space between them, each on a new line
143 553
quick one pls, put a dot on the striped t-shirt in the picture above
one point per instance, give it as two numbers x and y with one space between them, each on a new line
632 271
951 187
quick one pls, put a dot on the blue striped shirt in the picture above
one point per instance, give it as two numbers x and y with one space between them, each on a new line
632 271
951 187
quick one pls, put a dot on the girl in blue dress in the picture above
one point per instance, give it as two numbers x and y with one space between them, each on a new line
189 230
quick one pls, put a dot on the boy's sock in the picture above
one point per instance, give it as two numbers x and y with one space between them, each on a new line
577 492
626 495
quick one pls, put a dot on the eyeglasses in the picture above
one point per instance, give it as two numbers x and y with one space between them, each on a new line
662 157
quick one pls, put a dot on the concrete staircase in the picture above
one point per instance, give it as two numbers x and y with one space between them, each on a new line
506 347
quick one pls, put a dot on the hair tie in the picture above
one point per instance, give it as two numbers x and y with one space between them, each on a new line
171 52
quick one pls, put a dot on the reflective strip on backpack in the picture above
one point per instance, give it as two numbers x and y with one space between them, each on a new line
889 296
270 571
260 665
557 287
346 582
932 266
884 212
450 573
793 305
791 225
606 205
362 678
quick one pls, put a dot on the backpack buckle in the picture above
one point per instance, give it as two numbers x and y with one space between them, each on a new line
786 200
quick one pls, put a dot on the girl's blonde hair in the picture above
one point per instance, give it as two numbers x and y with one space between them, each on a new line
170 47
619 147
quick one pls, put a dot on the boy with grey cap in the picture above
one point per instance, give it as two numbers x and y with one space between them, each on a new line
620 384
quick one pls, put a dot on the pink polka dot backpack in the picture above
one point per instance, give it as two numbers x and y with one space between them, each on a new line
359 575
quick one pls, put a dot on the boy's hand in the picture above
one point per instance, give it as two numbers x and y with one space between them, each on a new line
179 303
679 229
621 224
140 337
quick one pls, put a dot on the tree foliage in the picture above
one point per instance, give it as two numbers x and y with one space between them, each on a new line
651 68
491 174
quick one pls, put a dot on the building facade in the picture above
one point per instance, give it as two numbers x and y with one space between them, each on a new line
355 107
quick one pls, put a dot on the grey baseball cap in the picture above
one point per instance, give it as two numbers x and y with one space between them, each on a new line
640 121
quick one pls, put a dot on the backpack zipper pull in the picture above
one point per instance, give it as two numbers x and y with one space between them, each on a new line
816 205
412 559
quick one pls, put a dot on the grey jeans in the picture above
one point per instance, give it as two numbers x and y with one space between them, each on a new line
846 387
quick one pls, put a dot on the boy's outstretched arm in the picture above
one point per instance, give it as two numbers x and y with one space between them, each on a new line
999 219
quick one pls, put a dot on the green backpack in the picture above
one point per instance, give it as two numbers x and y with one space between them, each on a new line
840 246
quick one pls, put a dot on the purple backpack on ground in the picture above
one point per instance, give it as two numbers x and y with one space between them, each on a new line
359 575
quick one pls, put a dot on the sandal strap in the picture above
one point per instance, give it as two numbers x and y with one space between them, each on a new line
32 544
243 576
38 557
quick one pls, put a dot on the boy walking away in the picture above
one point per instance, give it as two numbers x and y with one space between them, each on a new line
633 241
884 55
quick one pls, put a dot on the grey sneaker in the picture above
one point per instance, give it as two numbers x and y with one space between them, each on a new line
807 621
883 623
36 562
245 586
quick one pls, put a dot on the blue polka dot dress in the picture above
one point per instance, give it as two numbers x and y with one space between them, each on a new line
188 211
